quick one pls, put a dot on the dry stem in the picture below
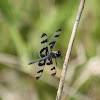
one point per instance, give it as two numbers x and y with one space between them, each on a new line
68 53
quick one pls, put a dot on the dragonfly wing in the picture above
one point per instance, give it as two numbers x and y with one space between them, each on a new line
51 66
41 65
54 39
44 46
43 52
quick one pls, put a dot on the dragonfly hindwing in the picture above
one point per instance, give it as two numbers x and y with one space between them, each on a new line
50 64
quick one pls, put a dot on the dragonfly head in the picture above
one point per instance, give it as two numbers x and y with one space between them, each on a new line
58 53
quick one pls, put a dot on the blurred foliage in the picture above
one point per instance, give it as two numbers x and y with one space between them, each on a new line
21 24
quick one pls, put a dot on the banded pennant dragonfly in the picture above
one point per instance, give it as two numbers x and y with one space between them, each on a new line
46 54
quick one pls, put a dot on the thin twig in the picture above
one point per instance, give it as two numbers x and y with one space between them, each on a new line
68 53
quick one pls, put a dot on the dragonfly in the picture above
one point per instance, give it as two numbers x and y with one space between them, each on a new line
47 55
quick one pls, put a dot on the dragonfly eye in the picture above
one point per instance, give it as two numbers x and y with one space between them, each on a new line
58 53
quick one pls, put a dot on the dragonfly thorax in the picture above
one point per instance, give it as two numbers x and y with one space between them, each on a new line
54 54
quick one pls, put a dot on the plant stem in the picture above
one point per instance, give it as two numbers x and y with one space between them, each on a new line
68 53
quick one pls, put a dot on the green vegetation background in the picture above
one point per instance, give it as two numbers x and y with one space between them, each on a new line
21 24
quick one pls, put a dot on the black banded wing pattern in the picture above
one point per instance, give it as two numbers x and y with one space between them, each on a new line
44 46
51 67
54 39
43 52
40 69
